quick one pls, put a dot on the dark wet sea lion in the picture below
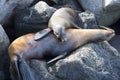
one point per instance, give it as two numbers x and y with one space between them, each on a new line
62 19
25 48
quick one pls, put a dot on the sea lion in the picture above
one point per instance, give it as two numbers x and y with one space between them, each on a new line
25 48
62 19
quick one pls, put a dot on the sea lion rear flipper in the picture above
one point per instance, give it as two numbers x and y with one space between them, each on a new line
57 58
25 71
14 69
41 33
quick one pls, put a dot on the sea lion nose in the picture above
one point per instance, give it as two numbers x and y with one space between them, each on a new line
112 32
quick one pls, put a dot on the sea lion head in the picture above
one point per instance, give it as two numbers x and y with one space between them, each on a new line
59 31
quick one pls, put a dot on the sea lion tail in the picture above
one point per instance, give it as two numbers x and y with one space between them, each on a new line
26 74
42 34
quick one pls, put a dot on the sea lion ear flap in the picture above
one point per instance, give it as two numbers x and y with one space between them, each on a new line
103 27
41 34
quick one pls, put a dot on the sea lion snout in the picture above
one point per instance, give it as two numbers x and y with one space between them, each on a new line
103 34
106 28
109 34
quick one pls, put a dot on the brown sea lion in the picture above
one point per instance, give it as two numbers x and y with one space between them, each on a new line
62 19
25 48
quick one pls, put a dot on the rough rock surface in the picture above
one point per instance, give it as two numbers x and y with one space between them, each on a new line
7 8
107 11
2 75
4 42
115 41
40 71
68 3
87 19
33 19
116 27
94 61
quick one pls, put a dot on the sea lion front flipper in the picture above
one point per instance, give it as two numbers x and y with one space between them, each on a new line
41 34
75 26
57 58
62 34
